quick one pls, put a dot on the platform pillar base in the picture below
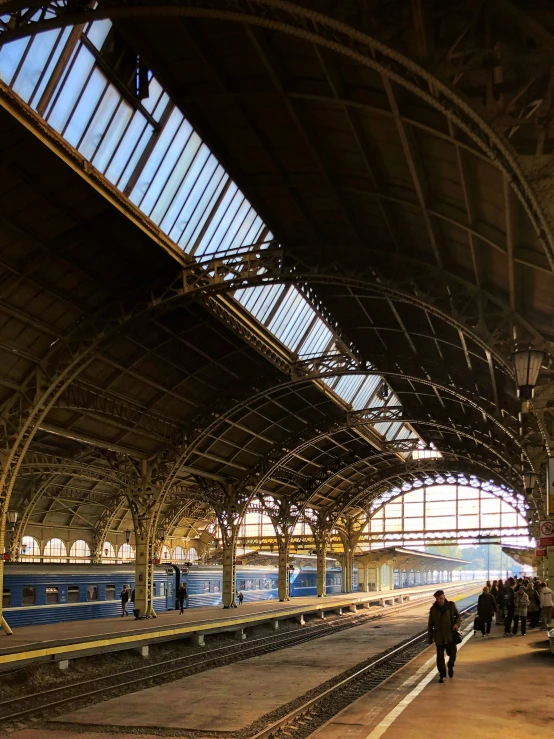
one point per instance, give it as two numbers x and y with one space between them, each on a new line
63 664
353 608
143 651
240 635
275 624
198 640
300 620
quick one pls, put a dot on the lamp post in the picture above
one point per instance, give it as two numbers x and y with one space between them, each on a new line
527 364
127 536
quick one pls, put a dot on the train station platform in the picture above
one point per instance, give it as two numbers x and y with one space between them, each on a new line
69 640
502 687
208 702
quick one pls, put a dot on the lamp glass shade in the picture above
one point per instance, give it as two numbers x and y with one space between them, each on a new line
527 364
529 480
12 517
127 536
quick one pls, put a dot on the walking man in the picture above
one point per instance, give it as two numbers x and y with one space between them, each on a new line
182 597
444 620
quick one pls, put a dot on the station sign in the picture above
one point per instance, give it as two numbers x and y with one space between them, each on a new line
546 533
540 552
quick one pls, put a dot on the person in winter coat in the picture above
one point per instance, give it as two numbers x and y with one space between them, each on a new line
124 595
500 604
509 606
534 610
521 604
182 597
486 607
444 619
547 601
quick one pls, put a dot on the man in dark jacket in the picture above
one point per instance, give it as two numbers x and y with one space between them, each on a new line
444 619
509 606
486 607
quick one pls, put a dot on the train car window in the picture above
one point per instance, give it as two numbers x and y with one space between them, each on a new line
206 586
72 593
162 588
28 596
249 585
92 592
52 595
242 584
215 586
110 592
6 598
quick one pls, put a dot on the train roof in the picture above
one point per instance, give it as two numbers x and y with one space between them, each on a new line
51 568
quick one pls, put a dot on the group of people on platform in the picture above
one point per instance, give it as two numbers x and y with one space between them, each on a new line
127 596
512 602
516 604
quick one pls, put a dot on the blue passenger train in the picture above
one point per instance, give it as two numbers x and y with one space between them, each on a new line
51 593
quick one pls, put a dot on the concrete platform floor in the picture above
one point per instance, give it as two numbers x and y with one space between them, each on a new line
26 638
502 687
230 698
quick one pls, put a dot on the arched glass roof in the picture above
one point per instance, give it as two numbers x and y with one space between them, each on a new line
143 144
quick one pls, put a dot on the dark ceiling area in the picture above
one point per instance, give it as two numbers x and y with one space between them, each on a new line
400 155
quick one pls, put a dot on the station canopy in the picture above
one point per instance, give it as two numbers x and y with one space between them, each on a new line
284 249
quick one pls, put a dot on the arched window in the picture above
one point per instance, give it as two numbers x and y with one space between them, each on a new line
55 551
191 555
79 552
29 550
403 516
179 554
126 552
166 556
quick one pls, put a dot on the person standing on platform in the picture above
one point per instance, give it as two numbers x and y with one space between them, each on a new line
182 597
547 601
124 595
509 606
486 606
521 604
444 620
240 596
500 604
534 610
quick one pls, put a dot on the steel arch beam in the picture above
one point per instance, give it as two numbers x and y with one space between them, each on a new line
319 29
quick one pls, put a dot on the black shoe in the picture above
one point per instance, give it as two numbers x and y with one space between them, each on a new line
450 672
441 679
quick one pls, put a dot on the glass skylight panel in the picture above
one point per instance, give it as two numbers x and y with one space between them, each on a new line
292 318
260 300
348 386
382 427
317 341
365 392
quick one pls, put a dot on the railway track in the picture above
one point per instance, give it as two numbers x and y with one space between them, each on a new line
306 718
38 706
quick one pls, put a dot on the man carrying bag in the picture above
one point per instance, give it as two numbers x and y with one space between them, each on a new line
443 629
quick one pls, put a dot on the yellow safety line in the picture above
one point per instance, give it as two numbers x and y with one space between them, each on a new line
153 635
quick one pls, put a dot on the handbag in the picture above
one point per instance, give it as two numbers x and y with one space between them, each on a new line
456 636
